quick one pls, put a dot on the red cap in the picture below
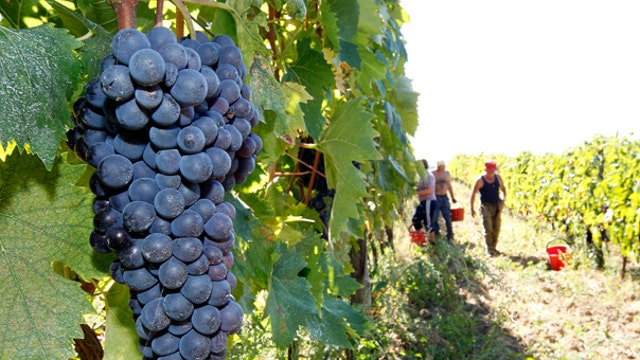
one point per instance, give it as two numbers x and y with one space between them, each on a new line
490 165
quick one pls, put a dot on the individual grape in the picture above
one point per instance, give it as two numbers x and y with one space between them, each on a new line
197 289
223 40
160 36
227 258
245 91
117 238
234 136
193 60
208 52
178 308
139 279
247 149
227 72
169 203
198 267
194 346
246 165
190 140
206 319
231 316
144 189
92 119
99 204
217 272
187 113
149 156
168 181
190 87
208 127
220 293
243 125
212 190
92 136
97 152
130 145
153 316
170 75
223 141
147 67
213 254
138 216
174 54
116 83
142 170
187 224
190 191
126 42
219 226
165 137
149 98
160 226
220 161
93 93
142 332
179 328
225 244
152 293
220 105
219 343
130 116
157 247
229 90
167 113
213 82
196 168
98 242
131 256
165 344
230 55
115 171
205 207
227 209
168 161
136 308
116 271
106 219
173 273
189 43
187 249
231 279
119 200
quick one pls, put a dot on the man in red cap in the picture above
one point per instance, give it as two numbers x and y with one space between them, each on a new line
489 186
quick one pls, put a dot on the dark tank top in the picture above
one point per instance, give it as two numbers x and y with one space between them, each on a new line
489 192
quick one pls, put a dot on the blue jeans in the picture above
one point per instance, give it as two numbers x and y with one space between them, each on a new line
425 216
444 208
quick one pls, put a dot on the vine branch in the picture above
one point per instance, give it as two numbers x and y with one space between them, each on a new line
126 11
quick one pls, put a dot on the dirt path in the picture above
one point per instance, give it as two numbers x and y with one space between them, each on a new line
578 313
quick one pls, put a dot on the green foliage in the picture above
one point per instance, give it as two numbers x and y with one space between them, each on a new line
44 218
39 73
327 77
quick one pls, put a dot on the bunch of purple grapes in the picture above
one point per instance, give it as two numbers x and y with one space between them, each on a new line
167 125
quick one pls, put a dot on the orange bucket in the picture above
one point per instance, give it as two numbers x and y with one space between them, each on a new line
457 214
559 255
418 237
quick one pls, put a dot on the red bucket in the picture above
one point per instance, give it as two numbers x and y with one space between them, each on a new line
418 237
559 255
457 214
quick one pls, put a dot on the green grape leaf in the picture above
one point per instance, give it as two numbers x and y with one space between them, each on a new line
329 22
405 100
121 339
44 219
347 13
40 73
338 324
290 301
349 137
16 11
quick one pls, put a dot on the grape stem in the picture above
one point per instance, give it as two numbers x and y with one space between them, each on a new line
126 11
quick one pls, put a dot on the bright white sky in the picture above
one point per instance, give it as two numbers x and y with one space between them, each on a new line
504 76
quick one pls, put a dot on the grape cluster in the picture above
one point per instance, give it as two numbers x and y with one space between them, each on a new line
167 125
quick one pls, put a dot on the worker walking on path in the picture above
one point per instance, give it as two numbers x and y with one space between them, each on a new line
489 185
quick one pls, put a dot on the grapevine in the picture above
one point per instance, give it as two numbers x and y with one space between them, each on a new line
590 191
167 125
